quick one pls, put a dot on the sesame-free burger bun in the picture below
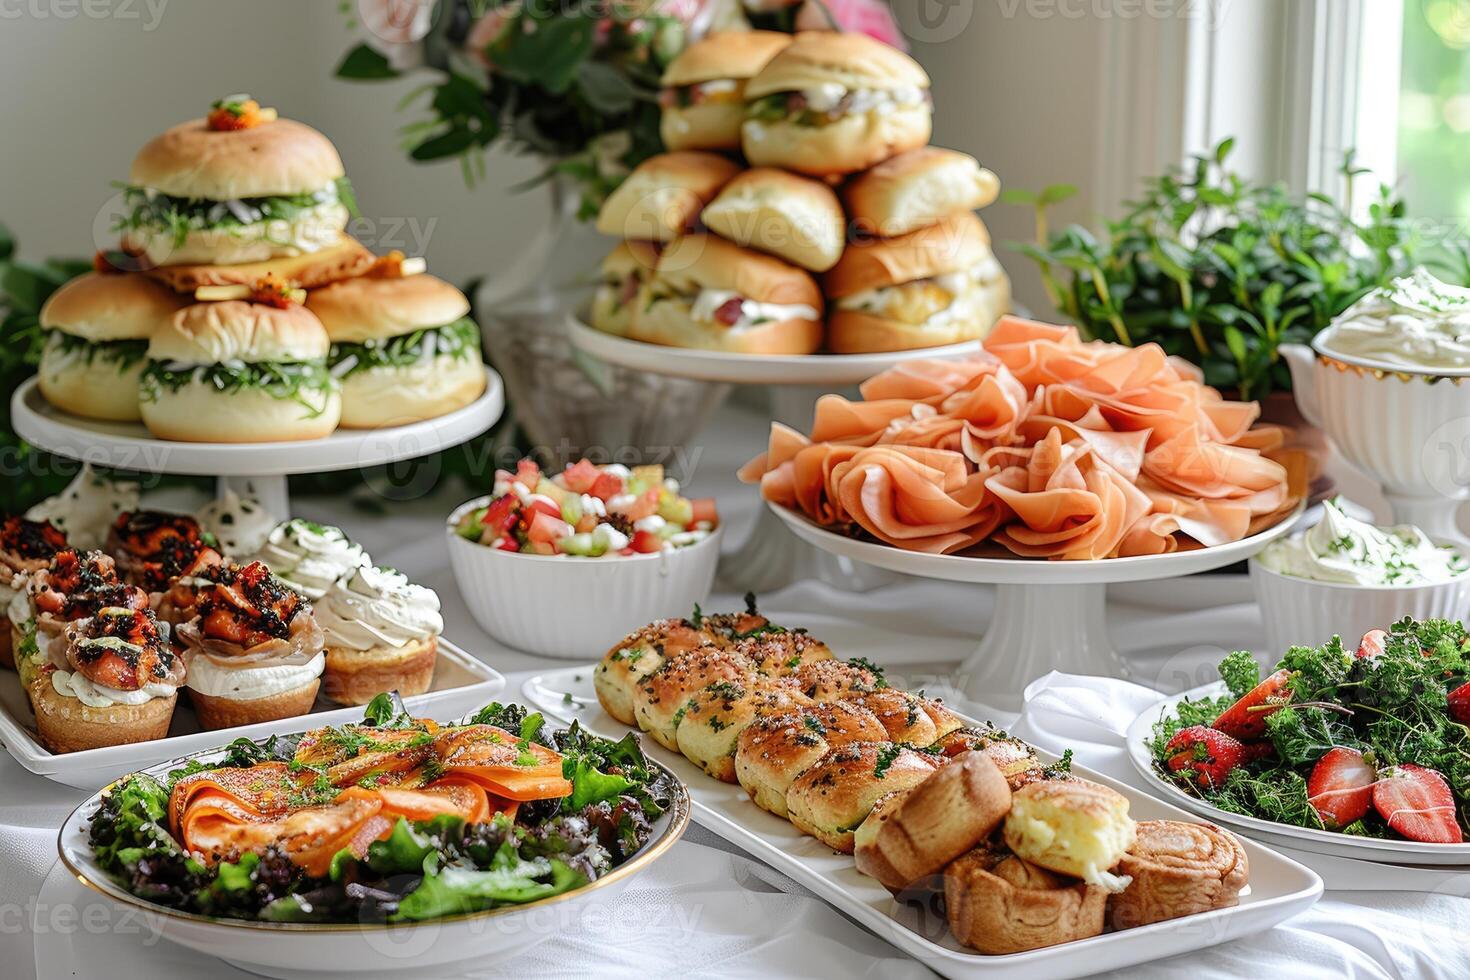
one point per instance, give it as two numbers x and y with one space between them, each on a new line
858 332
854 142
614 301
380 397
849 59
699 262
795 218
662 197
629 256
725 54
100 309
235 330
959 241
110 307
339 260
712 120
274 159
917 188
371 308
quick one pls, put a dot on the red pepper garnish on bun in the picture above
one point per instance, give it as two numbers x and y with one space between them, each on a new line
272 290
237 112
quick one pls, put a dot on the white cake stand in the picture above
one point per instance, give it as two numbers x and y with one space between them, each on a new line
1048 615
771 558
257 469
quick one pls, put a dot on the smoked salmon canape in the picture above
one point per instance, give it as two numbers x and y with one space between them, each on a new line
253 649
115 682
390 820
73 586
26 547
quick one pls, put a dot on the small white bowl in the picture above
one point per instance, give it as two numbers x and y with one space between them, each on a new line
575 608
1301 612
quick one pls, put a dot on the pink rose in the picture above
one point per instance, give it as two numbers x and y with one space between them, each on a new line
871 17
485 30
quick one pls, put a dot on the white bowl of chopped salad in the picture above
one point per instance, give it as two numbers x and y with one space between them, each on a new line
565 564
1345 575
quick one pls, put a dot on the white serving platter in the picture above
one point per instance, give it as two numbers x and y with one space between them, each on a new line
1279 887
299 950
460 683
759 369
1281 835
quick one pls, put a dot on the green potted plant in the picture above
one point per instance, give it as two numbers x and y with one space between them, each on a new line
1221 270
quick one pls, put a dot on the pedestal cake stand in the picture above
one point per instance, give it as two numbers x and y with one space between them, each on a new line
771 558
257 469
1048 615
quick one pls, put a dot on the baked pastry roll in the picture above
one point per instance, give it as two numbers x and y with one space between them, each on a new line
1017 760
909 718
832 798
656 701
710 723
998 903
1178 869
837 680
918 832
775 749
636 656
1073 827
782 653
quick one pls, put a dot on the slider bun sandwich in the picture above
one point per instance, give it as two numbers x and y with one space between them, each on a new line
1072 827
916 189
97 330
835 103
403 348
703 94
711 295
239 185
238 371
624 271
938 285
795 218
662 197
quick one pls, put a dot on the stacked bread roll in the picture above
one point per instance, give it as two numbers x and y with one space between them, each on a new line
1026 856
799 207
198 324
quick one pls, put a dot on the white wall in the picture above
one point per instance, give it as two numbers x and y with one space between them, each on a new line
1021 84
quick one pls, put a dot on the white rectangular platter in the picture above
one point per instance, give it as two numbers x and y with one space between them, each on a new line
1279 887
461 682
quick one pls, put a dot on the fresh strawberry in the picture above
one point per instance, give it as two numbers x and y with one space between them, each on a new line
1371 645
646 542
1340 788
1204 755
1417 803
1245 720
1459 700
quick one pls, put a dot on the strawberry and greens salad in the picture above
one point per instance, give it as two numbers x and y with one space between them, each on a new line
588 511
1372 740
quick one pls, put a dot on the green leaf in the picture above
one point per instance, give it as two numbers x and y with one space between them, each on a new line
447 144
7 243
454 890
589 785
364 63
1223 148
605 88
545 47
1235 341
1056 193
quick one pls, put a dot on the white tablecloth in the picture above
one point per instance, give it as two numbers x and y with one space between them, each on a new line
703 909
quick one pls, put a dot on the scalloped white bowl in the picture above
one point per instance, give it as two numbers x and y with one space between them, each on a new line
575 608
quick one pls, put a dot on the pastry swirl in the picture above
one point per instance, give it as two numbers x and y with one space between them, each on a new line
998 903
1178 869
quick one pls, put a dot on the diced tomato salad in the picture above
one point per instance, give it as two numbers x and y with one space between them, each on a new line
588 511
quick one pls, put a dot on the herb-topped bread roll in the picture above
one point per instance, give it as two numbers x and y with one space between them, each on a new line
916 189
240 371
775 749
909 718
710 722
239 185
832 798
1073 827
938 285
998 903
403 348
794 218
1178 869
709 294
658 700
382 635
97 331
661 199
703 95
835 103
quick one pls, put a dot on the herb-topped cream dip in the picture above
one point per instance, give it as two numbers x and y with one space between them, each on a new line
1343 550
1416 322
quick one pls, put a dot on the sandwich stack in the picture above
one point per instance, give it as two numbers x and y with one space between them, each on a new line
799 207
238 309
